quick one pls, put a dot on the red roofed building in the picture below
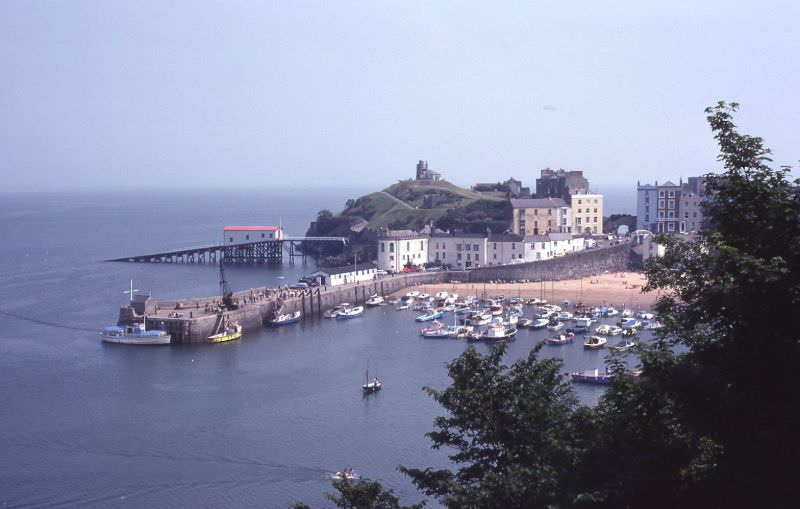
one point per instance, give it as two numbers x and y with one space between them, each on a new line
245 234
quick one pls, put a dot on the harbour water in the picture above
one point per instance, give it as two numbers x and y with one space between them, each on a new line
259 422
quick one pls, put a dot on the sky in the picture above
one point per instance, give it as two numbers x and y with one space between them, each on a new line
268 94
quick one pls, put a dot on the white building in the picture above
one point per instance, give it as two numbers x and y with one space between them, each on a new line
399 248
247 234
505 248
564 243
538 247
334 276
458 249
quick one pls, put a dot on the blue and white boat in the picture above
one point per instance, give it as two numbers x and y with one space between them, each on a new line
427 317
630 323
350 313
285 319
135 334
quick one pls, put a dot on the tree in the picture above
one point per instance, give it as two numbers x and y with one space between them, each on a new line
511 431
362 494
725 368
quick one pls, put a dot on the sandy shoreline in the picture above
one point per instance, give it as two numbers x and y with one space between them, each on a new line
619 289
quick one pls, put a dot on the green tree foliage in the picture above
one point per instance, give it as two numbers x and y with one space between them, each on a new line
510 429
363 494
729 307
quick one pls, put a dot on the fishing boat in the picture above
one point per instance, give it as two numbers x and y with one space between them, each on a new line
555 326
603 330
561 339
427 317
351 313
629 323
654 326
436 325
231 332
374 300
333 313
624 345
511 321
594 377
539 323
458 331
373 385
480 319
134 334
286 319
594 342
498 332
496 309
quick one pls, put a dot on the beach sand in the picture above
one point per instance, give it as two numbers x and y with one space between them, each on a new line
618 289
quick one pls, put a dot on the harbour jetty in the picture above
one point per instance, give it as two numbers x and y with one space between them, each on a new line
194 320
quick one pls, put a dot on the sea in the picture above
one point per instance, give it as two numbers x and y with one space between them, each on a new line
257 423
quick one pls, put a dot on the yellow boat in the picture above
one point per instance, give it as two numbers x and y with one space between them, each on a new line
230 333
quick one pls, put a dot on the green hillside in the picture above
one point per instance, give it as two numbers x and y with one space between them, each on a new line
412 204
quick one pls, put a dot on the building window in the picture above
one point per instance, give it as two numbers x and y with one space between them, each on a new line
383 247
458 256
661 204
477 257
262 235
475 247
468 257
421 245
671 204
595 219
468 247
595 211
671 214
495 256
231 239
247 237
391 247
661 194
595 202
513 245
579 211
647 199
408 246
579 202
495 246
671 227
672 194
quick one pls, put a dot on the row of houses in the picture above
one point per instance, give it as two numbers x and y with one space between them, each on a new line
398 249
669 207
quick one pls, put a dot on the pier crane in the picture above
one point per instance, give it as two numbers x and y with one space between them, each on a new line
228 302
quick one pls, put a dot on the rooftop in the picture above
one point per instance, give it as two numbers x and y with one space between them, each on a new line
537 203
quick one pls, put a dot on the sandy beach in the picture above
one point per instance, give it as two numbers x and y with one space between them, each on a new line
619 289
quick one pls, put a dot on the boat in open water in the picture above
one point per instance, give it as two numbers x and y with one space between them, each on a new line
594 342
135 334
561 339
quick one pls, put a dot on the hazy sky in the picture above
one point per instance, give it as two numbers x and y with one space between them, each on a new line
127 94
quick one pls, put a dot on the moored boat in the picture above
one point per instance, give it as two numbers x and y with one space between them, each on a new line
351 313
561 339
432 315
232 332
594 342
286 319
624 345
334 312
539 323
498 332
375 300
592 377
135 334
555 326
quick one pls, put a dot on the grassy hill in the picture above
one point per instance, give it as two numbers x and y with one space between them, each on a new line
411 204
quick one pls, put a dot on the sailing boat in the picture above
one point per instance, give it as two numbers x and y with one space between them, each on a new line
371 385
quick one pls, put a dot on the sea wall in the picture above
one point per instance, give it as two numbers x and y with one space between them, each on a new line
258 306
573 266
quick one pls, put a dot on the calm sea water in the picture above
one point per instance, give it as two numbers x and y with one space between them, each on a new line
257 423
